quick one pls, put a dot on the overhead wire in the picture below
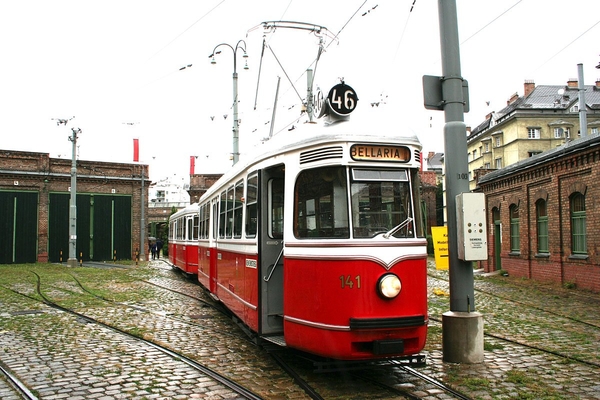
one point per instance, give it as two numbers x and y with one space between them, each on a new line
184 31
569 44
404 29
491 22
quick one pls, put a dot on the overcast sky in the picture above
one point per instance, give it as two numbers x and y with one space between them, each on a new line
116 67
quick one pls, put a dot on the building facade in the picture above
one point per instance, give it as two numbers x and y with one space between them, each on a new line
35 203
543 218
543 118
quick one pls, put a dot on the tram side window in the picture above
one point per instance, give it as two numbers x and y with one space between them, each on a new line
276 207
222 214
321 205
215 212
180 228
251 206
203 229
238 209
196 227
190 228
381 200
229 218
201 222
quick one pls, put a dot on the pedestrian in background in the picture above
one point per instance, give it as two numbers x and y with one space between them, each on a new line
153 250
159 245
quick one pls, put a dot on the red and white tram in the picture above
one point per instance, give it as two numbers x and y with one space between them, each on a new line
183 239
317 242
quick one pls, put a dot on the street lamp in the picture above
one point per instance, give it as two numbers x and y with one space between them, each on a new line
241 44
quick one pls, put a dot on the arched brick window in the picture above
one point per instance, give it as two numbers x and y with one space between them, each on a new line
541 212
578 224
515 238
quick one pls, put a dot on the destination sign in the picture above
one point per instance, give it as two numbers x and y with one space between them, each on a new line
363 152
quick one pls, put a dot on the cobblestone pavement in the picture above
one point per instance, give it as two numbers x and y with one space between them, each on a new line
60 356
561 326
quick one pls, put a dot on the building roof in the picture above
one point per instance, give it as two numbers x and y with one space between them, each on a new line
542 97
560 151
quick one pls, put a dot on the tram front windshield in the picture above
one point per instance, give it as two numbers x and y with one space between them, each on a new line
380 203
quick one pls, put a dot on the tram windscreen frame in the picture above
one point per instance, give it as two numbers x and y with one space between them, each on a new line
321 204
381 199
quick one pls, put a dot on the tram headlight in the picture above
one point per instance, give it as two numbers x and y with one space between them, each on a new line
389 286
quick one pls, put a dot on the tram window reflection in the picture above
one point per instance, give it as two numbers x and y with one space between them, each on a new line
251 207
276 208
381 200
321 205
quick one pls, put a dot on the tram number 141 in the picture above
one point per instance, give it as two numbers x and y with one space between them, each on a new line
349 282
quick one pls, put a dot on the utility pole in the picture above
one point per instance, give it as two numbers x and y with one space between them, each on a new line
72 261
462 326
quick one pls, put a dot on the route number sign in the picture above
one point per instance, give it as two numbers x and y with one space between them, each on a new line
342 99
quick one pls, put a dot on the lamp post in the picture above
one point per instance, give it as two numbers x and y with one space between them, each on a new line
241 45
72 261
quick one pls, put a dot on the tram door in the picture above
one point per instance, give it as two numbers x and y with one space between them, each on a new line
271 250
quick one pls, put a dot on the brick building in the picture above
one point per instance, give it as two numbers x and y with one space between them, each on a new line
35 201
199 184
543 216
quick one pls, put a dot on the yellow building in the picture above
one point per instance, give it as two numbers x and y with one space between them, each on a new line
543 118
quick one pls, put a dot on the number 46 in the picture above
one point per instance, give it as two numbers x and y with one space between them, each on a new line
348 101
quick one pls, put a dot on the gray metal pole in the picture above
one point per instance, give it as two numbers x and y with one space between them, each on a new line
236 127
274 108
455 157
241 44
582 107
309 94
72 260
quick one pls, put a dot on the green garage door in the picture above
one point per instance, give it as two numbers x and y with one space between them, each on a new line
103 227
18 227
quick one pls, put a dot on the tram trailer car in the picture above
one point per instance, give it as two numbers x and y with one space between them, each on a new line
183 239
317 243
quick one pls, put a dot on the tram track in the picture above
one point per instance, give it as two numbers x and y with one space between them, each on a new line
18 385
314 394
223 380
532 306
414 394
304 386
524 344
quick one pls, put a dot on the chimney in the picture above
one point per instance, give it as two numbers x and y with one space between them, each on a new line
512 99
598 83
469 129
528 87
430 155
572 83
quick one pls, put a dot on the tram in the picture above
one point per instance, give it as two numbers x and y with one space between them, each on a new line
317 242
183 239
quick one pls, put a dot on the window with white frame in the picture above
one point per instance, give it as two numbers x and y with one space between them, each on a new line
533 133
498 141
486 147
498 163
558 133
594 131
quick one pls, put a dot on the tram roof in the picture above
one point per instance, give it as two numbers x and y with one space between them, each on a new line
369 125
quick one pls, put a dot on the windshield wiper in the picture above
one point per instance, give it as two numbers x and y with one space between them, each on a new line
397 228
